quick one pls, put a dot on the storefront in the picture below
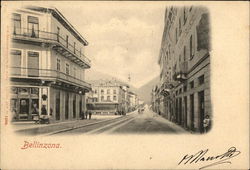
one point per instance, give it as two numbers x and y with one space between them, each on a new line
27 102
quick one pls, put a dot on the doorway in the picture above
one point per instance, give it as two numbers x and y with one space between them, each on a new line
185 111
192 112
201 110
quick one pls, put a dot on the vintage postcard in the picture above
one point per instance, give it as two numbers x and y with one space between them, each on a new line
124 85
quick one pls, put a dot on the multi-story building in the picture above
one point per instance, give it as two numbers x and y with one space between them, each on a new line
185 67
133 101
48 65
108 97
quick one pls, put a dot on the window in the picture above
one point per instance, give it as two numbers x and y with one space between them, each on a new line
16 58
191 84
33 63
108 91
184 53
33 25
114 91
80 52
74 72
108 98
74 47
102 91
58 64
102 98
114 98
185 88
67 68
58 33
191 47
179 26
95 91
176 35
185 16
17 23
201 80
179 58
67 41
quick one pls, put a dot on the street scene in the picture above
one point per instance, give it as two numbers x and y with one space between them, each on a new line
121 71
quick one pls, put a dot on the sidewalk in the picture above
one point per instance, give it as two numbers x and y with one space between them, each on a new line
161 119
30 128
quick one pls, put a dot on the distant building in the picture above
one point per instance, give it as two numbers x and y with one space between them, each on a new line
133 101
108 97
183 94
48 65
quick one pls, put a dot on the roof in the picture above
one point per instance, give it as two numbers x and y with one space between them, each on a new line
58 15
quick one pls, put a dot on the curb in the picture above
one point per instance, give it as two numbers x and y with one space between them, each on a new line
77 127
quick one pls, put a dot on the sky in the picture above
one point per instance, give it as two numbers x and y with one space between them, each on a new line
124 37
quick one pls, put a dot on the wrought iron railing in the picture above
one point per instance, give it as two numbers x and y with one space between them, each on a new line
33 34
46 73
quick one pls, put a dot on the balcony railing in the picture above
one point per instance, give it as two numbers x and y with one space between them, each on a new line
21 72
49 37
181 72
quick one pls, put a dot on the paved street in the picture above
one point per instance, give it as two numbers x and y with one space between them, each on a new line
147 122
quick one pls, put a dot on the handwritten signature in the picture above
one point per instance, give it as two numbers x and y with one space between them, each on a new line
214 160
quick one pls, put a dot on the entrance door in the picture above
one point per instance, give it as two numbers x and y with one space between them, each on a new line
74 106
58 106
192 111
67 106
80 107
180 111
201 110
24 109
185 111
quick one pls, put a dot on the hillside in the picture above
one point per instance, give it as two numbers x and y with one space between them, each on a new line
144 92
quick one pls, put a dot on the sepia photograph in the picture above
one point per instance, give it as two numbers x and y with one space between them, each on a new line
124 85
56 88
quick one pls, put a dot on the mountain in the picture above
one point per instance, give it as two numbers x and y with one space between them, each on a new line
144 92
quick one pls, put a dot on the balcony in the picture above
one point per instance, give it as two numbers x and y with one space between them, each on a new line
59 44
47 75
181 72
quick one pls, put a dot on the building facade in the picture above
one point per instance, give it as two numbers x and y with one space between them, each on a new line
47 70
184 60
108 97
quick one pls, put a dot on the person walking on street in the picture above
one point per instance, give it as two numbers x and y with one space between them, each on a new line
206 123
90 114
86 114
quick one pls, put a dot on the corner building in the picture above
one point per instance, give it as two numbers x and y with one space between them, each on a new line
185 67
47 67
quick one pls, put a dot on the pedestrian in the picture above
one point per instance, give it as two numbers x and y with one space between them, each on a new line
90 114
82 115
86 114
206 123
